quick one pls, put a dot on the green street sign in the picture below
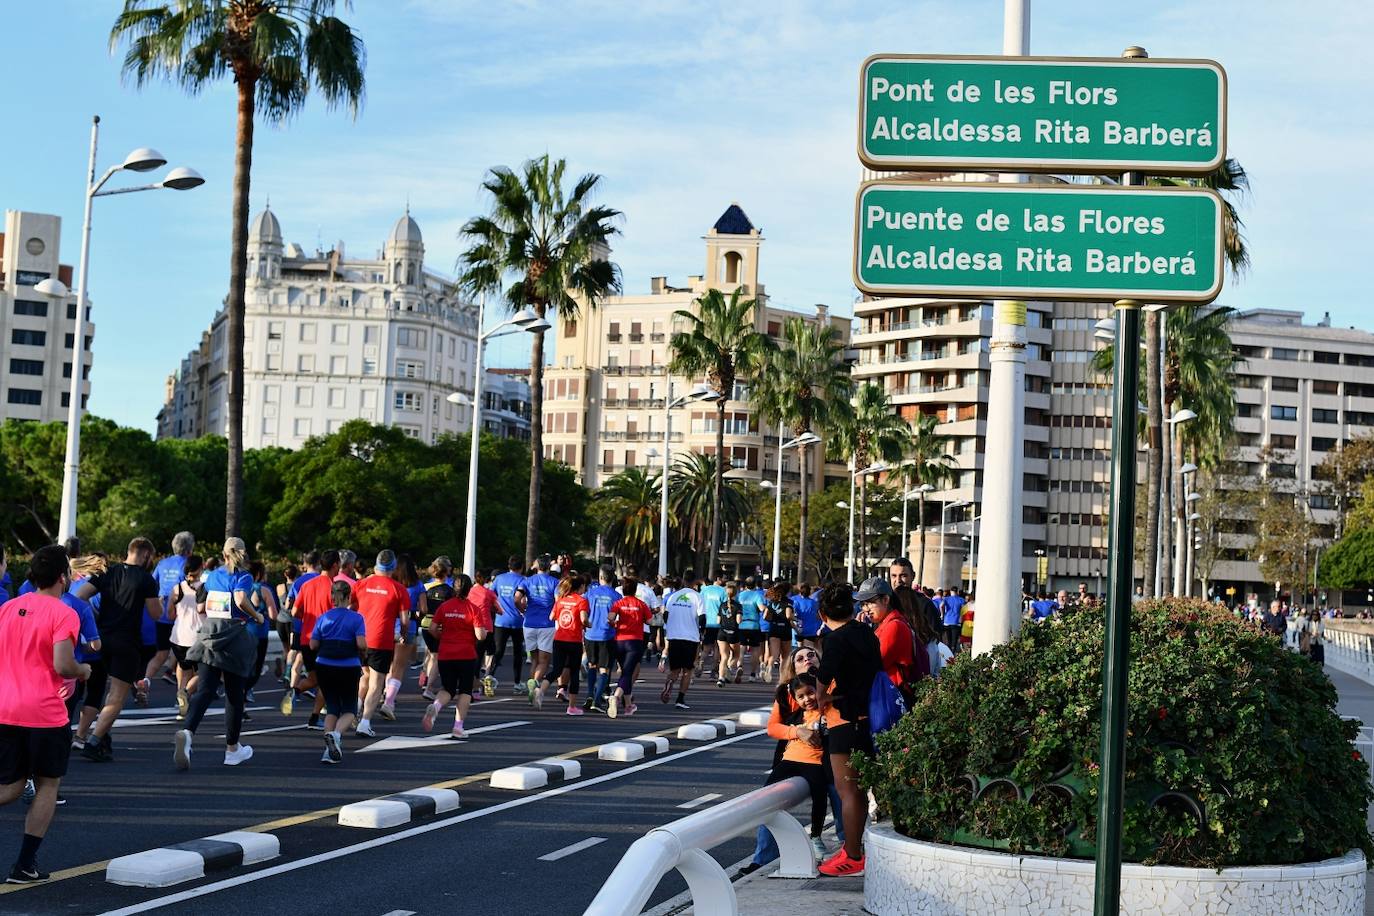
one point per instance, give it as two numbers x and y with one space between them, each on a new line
1012 241
1039 114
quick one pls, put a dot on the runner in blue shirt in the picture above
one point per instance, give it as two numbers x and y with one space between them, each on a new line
952 609
712 596
535 597
339 638
88 647
751 624
509 623
806 618
168 572
295 668
599 639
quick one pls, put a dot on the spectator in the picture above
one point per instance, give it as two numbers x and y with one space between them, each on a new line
896 644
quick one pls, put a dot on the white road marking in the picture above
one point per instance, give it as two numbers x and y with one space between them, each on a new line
574 848
404 743
400 913
163 720
700 800
285 867
267 731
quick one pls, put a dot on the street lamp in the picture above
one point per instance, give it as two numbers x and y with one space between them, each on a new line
853 476
144 159
528 320
699 394
805 439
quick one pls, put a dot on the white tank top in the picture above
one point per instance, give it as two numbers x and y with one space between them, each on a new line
188 621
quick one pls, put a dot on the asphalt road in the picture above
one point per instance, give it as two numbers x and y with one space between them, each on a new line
483 858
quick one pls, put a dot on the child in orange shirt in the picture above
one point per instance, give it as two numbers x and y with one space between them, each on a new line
803 727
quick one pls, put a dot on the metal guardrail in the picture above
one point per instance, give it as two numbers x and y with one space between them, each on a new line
683 845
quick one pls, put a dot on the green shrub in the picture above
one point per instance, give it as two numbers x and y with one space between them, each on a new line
1235 754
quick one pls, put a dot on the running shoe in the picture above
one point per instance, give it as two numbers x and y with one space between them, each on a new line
488 686
325 758
429 695
184 703
424 679
720 682
681 704
840 865
517 689
667 693
366 731
427 720
288 703
167 678
30 875
333 747
613 707
747 870
739 676
538 698
242 755
531 686
181 749
575 711
141 688
561 694
29 791
387 711
313 723
631 709
78 742
818 845
250 697
308 693
247 717
458 734
96 751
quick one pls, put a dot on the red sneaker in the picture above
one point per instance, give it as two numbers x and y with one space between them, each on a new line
840 865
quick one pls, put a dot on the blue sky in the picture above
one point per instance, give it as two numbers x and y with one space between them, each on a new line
682 106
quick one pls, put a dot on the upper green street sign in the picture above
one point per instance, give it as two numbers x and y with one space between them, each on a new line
1013 241
1037 114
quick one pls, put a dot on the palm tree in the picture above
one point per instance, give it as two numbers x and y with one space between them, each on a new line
630 504
276 53
721 343
805 384
928 463
697 509
553 244
870 432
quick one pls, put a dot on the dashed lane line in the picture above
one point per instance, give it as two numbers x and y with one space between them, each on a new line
572 849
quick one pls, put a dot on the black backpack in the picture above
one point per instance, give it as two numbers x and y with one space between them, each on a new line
435 595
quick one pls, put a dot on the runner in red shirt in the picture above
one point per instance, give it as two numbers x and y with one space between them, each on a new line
382 600
457 627
314 599
484 599
569 619
628 616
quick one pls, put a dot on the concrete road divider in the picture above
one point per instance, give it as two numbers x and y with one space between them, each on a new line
709 730
401 808
536 775
632 749
187 861
756 718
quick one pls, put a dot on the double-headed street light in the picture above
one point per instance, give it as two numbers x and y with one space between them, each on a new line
703 394
805 439
181 178
527 320
853 476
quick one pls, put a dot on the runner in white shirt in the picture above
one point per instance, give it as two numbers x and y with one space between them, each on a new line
681 606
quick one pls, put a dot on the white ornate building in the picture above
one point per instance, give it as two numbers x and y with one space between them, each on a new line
330 338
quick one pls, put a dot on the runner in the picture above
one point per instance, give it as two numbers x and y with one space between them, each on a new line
338 641
88 644
224 651
264 599
409 578
168 573
382 600
458 630
285 588
600 637
681 610
712 596
646 593
314 599
348 567
295 666
806 618
128 596
777 610
93 690
38 636
438 589
628 615
186 623
727 636
484 599
535 598
509 623
750 628
570 614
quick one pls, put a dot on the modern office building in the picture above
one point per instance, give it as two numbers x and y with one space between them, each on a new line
605 394
38 331
330 338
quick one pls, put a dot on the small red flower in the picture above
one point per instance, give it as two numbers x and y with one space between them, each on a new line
1162 713
1355 755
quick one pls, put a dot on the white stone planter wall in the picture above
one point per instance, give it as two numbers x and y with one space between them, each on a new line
905 877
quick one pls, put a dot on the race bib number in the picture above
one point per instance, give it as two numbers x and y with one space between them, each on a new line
218 605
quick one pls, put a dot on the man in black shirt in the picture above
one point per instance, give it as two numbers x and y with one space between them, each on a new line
127 591
850 659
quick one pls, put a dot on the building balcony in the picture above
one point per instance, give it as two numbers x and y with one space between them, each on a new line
634 403
656 338
642 435
632 370
636 338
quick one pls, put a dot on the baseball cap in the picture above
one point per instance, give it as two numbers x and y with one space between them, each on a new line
873 588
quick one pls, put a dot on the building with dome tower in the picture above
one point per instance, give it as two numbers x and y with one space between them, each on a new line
329 338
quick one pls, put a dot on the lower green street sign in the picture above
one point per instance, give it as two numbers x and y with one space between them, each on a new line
1012 241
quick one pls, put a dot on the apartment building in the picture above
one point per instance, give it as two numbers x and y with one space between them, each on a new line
39 331
329 338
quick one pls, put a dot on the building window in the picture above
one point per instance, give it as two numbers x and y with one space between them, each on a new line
1284 353
1283 384
275 329
305 362
307 332
1359 417
273 362
85 371
33 307
409 368
305 396
338 333
411 337
1325 386
25 337
409 400
1326 357
271 394
1285 442
338 365
775 329
67 400
1245 410
302 427
1321 501
29 367
369 365
613 332
569 328
411 431
1323 443
370 333
1323 415
337 398
1278 412
25 396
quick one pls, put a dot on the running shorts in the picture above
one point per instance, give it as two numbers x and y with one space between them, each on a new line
339 685
179 653
379 660
599 653
540 638
122 659
457 675
682 654
164 636
850 737
308 656
28 753
710 634
431 641
750 638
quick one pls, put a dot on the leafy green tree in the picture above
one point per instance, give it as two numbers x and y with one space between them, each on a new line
806 386
1344 473
721 343
627 510
695 507
1350 561
928 463
551 244
828 528
869 433
276 51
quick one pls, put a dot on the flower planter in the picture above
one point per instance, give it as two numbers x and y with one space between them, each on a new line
905 877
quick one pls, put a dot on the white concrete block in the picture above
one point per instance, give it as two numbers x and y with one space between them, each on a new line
155 868
696 731
257 847
727 724
375 813
519 778
658 741
445 800
620 752
756 718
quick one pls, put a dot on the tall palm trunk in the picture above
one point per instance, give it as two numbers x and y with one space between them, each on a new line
536 441
238 280
804 508
863 527
719 488
921 534
1154 436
